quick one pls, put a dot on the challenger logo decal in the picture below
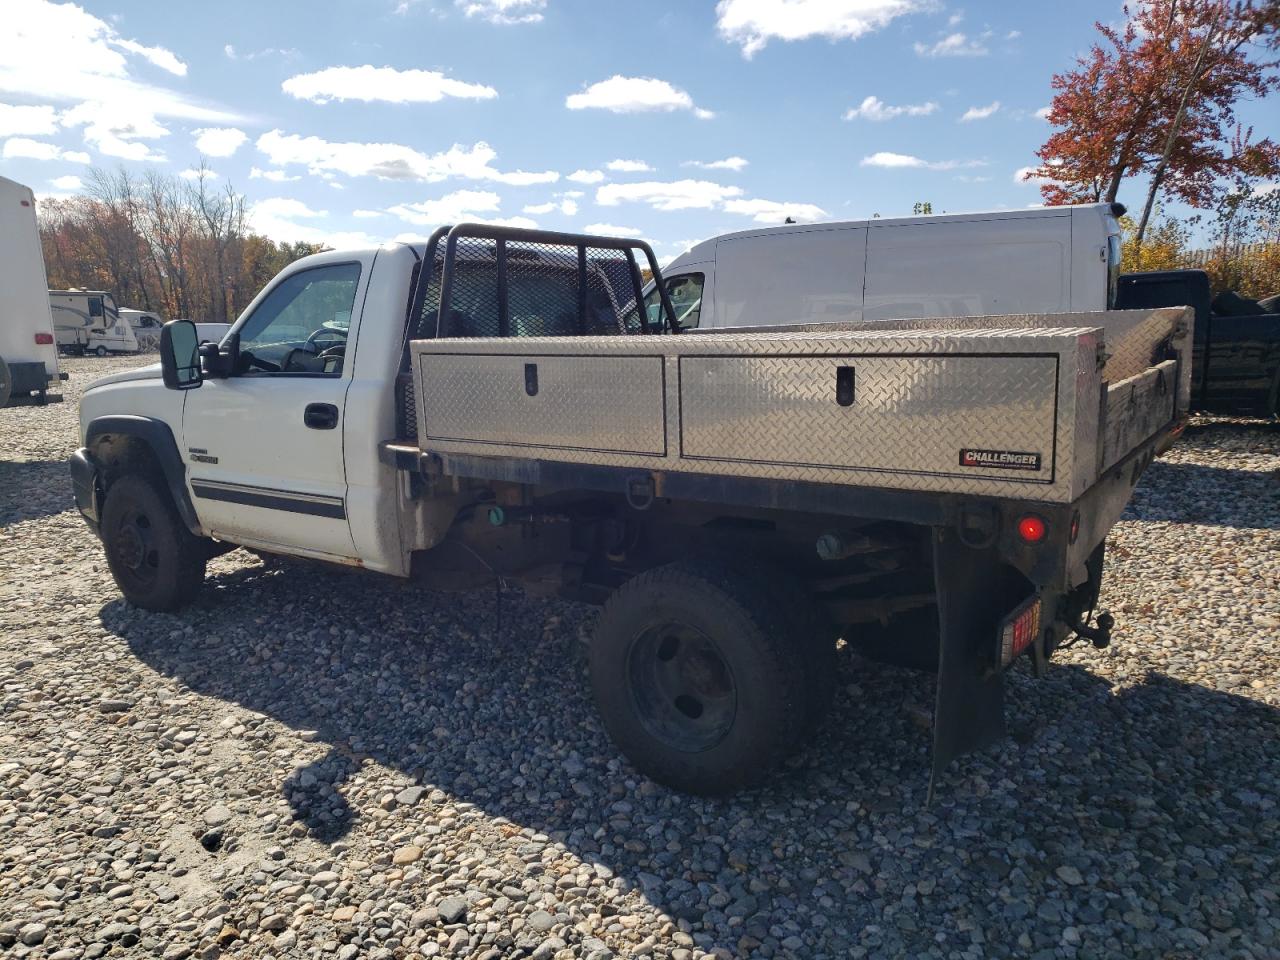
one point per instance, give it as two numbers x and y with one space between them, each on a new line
1000 459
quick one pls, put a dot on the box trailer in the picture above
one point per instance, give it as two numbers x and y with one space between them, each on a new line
28 354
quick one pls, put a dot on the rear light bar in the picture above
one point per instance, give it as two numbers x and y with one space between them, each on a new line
1019 630
44 339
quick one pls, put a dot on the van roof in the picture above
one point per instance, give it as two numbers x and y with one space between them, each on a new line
705 250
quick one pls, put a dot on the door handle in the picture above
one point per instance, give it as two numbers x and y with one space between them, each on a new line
320 416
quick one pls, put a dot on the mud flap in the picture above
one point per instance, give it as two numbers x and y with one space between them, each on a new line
969 711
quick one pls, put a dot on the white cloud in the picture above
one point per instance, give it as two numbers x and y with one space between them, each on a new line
621 94
369 83
28 121
1020 176
278 53
116 131
674 195
585 176
770 211
873 108
219 141
159 56
628 166
736 164
195 173
392 161
23 148
575 194
276 217
1043 113
955 45
567 206
980 113
611 230
59 52
1013 35
451 208
893 161
276 176
504 12
753 23
69 182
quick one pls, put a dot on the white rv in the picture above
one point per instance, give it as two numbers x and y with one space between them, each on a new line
28 355
88 321
1043 260
146 326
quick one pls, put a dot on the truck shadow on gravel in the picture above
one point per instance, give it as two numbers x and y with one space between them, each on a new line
1223 496
1135 812
33 490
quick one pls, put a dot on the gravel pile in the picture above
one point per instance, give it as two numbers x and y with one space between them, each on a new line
310 763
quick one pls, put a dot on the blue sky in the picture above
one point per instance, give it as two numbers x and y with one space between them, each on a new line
366 121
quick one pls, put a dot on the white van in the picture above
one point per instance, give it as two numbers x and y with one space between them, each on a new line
1043 260
28 355
146 326
88 321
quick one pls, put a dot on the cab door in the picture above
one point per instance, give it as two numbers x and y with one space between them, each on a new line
264 446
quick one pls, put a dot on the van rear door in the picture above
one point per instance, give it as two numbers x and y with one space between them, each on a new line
808 275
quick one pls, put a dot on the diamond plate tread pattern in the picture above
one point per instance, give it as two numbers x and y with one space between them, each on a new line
912 419
909 414
601 404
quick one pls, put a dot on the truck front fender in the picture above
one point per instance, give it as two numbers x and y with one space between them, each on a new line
103 438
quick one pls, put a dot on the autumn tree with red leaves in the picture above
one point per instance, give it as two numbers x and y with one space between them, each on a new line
1156 97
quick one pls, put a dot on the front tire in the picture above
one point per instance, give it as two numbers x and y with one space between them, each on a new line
700 675
157 563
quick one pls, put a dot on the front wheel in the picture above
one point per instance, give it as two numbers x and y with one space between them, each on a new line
157 563
699 673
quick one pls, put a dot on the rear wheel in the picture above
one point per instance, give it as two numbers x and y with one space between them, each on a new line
157 563
6 383
702 676
101 351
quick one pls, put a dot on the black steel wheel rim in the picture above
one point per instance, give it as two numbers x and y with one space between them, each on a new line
136 553
682 688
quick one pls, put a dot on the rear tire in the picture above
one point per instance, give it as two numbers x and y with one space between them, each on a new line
702 676
101 351
6 383
157 563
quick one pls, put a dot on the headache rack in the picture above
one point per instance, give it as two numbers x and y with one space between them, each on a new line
484 280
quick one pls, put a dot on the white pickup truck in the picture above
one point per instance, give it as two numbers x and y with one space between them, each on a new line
494 402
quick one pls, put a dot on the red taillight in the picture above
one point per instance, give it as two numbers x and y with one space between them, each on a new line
44 339
1032 528
1019 631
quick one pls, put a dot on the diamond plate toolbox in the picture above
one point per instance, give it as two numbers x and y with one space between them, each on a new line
1003 411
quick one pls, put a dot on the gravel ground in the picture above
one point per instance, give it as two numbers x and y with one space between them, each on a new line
310 763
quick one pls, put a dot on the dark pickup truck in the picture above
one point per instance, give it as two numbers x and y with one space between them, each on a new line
1235 366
